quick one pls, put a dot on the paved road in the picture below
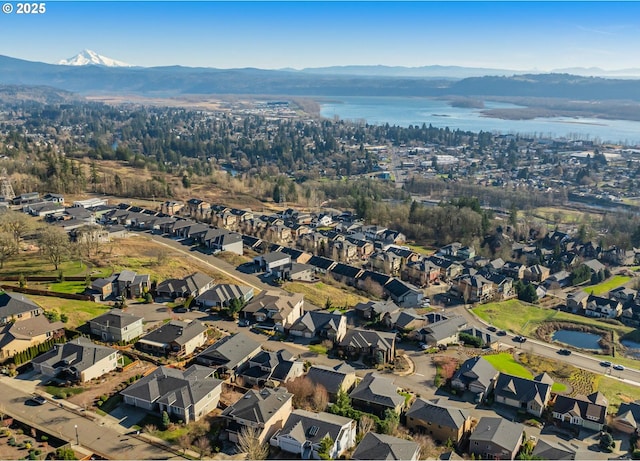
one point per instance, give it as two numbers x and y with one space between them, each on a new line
577 359
99 436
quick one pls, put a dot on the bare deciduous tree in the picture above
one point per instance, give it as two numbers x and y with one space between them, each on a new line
428 448
184 442
54 245
365 424
249 443
16 223
203 446
8 247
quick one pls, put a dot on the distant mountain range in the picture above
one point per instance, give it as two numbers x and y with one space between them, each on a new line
458 72
91 58
176 80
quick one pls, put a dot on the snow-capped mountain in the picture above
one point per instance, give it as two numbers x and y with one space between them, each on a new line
91 58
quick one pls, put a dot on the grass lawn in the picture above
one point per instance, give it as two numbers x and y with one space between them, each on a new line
233 259
78 312
317 294
617 392
505 363
318 349
607 285
427 251
31 263
522 318
67 287
63 392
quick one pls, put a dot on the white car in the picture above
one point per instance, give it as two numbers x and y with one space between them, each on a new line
424 346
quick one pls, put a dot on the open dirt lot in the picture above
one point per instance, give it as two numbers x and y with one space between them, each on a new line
108 384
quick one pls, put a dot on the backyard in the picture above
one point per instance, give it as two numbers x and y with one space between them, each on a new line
77 312
608 285
506 363
318 293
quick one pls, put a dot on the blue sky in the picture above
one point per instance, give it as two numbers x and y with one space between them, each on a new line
509 35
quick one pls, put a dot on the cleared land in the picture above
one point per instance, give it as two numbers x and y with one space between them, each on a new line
78 312
318 293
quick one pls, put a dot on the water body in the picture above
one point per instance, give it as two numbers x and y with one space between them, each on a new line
416 111
633 348
578 339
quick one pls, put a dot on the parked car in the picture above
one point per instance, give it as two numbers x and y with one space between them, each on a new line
492 328
502 333
618 367
38 400
519 339
424 346
605 363
564 352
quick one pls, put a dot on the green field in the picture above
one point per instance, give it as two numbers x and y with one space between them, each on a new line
617 392
78 312
505 363
522 318
67 287
607 285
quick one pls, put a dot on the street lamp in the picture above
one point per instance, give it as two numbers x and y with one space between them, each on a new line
77 437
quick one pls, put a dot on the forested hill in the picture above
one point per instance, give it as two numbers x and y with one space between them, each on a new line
187 80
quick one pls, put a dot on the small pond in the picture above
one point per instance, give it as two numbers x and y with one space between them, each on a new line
633 348
578 339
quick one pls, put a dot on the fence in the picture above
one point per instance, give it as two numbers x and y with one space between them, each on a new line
54 294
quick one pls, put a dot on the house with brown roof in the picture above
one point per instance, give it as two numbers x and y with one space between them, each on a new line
19 336
438 419
274 309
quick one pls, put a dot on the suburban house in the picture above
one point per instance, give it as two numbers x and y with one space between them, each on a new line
529 394
375 310
376 394
320 324
19 336
438 419
342 377
117 326
376 346
546 449
78 360
266 366
345 273
174 338
513 269
537 273
422 272
475 375
272 263
303 431
229 353
129 284
403 293
577 301
17 307
628 417
589 412
407 320
474 288
600 307
496 438
192 285
274 309
386 447
188 395
265 410
442 332
221 295
220 240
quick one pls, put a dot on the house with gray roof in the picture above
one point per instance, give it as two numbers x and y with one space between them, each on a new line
374 345
405 320
403 293
375 310
627 419
78 360
229 353
496 438
375 394
342 377
221 295
191 285
577 301
589 412
442 332
475 375
116 326
530 394
188 395
16 307
386 447
174 338
304 430
320 324
277 367
438 419
546 449
265 409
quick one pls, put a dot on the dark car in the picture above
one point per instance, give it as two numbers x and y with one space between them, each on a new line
502 333
492 329
519 339
605 363
564 352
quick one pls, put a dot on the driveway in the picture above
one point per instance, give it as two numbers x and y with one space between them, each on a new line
127 415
